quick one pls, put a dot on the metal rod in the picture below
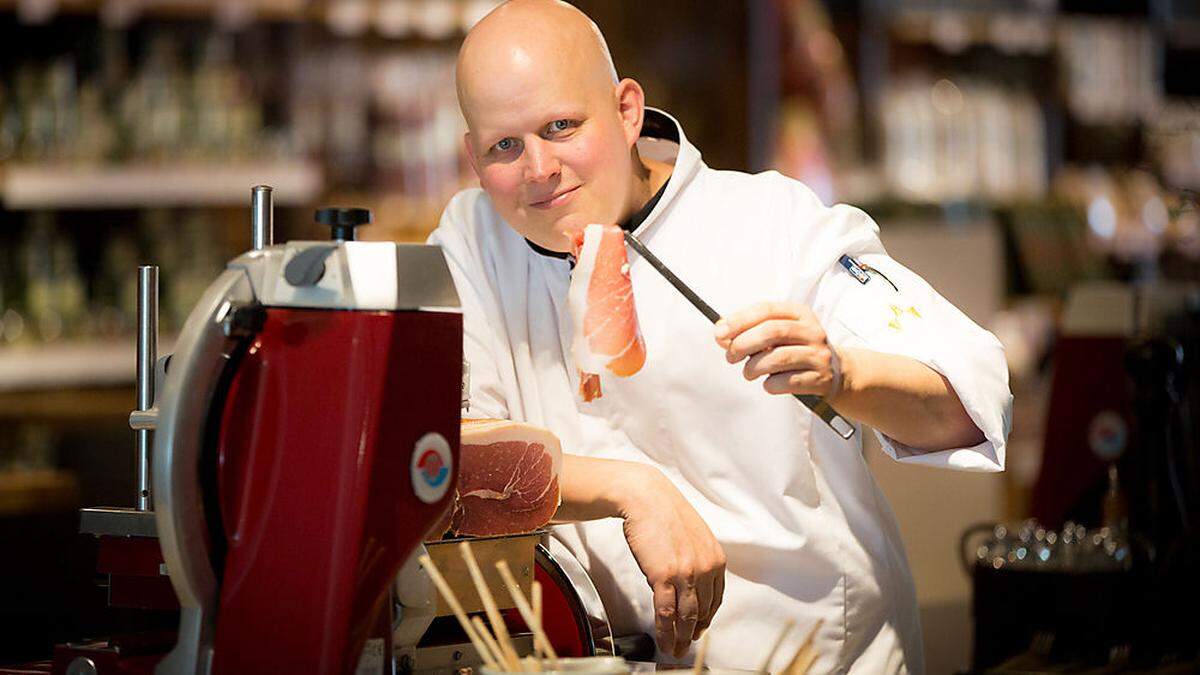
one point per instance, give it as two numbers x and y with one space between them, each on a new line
262 217
708 312
814 403
147 355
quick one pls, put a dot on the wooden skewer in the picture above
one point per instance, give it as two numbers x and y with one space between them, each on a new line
803 662
444 588
535 591
488 640
806 654
698 666
512 661
787 629
527 613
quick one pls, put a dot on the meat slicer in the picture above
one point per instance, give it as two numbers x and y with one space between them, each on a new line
301 441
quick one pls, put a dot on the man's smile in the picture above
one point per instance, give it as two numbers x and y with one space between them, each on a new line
556 199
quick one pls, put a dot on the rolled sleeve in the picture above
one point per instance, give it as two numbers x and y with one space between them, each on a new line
897 312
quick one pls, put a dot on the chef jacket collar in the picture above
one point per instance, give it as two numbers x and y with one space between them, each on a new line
662 129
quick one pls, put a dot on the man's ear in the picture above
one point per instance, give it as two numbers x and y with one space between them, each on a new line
631 106
470 149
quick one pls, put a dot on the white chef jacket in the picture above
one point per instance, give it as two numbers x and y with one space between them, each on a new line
807 532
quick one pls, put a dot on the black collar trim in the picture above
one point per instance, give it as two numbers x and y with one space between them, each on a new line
629 224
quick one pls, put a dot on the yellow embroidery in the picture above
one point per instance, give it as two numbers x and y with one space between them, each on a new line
898 313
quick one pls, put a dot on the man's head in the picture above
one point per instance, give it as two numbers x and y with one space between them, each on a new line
551 130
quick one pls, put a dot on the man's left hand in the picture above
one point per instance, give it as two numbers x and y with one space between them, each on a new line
785 342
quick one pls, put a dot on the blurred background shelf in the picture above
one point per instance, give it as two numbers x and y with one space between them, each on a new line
150 185
37 491
273 10
70 365
24 493
85 405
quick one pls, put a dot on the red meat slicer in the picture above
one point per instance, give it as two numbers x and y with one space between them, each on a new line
301 440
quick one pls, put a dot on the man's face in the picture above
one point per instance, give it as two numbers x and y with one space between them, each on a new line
550 150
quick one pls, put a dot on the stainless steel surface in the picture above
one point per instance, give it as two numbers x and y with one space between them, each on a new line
117 522
262 218
368 275
201 354
424 278
814 403
147 356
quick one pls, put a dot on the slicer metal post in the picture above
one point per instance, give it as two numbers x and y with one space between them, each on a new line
262 217
147 356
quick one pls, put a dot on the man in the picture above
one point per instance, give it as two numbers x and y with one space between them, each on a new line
691 488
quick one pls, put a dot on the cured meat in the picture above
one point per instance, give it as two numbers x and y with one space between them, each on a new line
507 478
602 309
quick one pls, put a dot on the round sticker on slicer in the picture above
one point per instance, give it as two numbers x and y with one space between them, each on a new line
431 467
1107 435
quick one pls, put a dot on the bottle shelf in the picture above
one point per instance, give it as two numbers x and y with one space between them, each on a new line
69 365
277 10
70 186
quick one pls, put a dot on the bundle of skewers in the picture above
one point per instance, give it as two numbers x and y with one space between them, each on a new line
496 648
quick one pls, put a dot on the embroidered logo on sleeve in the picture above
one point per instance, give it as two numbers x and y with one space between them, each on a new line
900 314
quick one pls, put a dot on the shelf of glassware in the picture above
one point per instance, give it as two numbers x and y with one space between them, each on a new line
68 365
100 186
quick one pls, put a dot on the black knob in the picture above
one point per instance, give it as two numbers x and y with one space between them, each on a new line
343 221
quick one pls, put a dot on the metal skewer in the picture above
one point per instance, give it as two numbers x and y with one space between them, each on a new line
814 403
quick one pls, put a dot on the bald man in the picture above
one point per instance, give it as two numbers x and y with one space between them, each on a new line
696 499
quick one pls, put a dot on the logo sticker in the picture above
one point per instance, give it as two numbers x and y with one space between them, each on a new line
431 467
1107 435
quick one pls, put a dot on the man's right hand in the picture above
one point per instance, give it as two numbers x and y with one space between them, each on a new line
682 560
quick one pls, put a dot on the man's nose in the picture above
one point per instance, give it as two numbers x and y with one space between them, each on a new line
541 164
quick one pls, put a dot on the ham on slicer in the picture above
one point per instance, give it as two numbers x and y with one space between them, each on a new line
602 309
507 478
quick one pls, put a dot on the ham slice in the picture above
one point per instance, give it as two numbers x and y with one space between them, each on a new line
602 309
507 478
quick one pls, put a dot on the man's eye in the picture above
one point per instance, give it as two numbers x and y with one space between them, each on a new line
560 125
505 144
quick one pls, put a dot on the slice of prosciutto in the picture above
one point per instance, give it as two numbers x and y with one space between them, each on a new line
507 478
602 310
